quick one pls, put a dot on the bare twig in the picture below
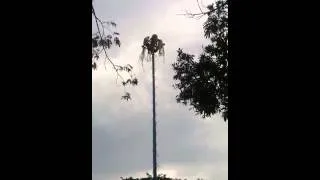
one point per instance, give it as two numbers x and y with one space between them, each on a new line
199 6
202 13
195 15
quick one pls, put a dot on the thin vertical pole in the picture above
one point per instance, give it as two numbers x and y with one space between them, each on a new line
154 122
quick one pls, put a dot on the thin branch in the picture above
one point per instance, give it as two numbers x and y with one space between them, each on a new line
199 6
105 52
104 27
192 15
201 14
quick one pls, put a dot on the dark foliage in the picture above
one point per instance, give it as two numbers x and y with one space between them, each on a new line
151 46
203 84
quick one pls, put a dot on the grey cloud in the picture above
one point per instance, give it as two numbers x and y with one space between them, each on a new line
123 9
122 134
125 144
120 148
128 13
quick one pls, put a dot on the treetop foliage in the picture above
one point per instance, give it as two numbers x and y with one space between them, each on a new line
203 84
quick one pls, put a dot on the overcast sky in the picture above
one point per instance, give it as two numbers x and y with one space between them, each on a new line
188 146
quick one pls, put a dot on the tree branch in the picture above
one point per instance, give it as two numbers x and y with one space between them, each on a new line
199 6
201 14
103 47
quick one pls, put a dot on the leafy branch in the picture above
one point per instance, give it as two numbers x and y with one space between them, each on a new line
101 42
203 84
